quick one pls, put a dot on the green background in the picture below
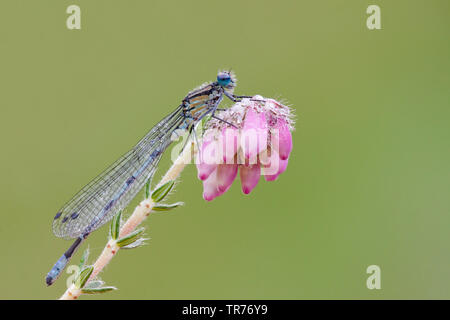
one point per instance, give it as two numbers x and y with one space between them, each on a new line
368 180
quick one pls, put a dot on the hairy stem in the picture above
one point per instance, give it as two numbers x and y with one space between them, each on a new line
141 212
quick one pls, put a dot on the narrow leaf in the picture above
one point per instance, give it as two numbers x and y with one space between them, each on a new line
84 258
84 276
147 189
138 243
115 226
161 192
97 290
94 284
167 207
129 239
205 120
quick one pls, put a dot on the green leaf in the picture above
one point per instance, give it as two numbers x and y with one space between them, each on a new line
205 120
147 189
94 284
138 243
167 207
97 290
84 258
161 192
129 239
115 226
84 276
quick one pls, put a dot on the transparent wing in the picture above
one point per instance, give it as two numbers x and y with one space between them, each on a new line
111 191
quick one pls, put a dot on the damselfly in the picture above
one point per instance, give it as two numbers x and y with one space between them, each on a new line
113 189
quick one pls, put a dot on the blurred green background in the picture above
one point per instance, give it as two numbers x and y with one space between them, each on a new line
368 181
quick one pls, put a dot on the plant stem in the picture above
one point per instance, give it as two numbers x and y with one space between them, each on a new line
141 212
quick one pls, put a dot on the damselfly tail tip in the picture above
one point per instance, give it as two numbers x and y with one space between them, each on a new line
49 280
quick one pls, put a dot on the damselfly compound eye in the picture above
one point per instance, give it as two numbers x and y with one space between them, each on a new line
224 79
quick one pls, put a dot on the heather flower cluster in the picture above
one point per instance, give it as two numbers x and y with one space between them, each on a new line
253 138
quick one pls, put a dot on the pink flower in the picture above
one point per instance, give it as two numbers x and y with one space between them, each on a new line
259 144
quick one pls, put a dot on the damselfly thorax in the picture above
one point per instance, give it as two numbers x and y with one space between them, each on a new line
199 103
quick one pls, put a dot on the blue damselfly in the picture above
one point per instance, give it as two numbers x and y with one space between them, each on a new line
111 191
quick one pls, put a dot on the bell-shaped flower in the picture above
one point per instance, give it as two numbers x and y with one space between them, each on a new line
252 137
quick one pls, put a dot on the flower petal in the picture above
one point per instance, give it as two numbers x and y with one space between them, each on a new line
254 134
270 162
210 190
204 170
226 173
204 164
249 177
282 167
229 140
282 142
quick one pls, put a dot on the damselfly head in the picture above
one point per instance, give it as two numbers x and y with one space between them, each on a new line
226 79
